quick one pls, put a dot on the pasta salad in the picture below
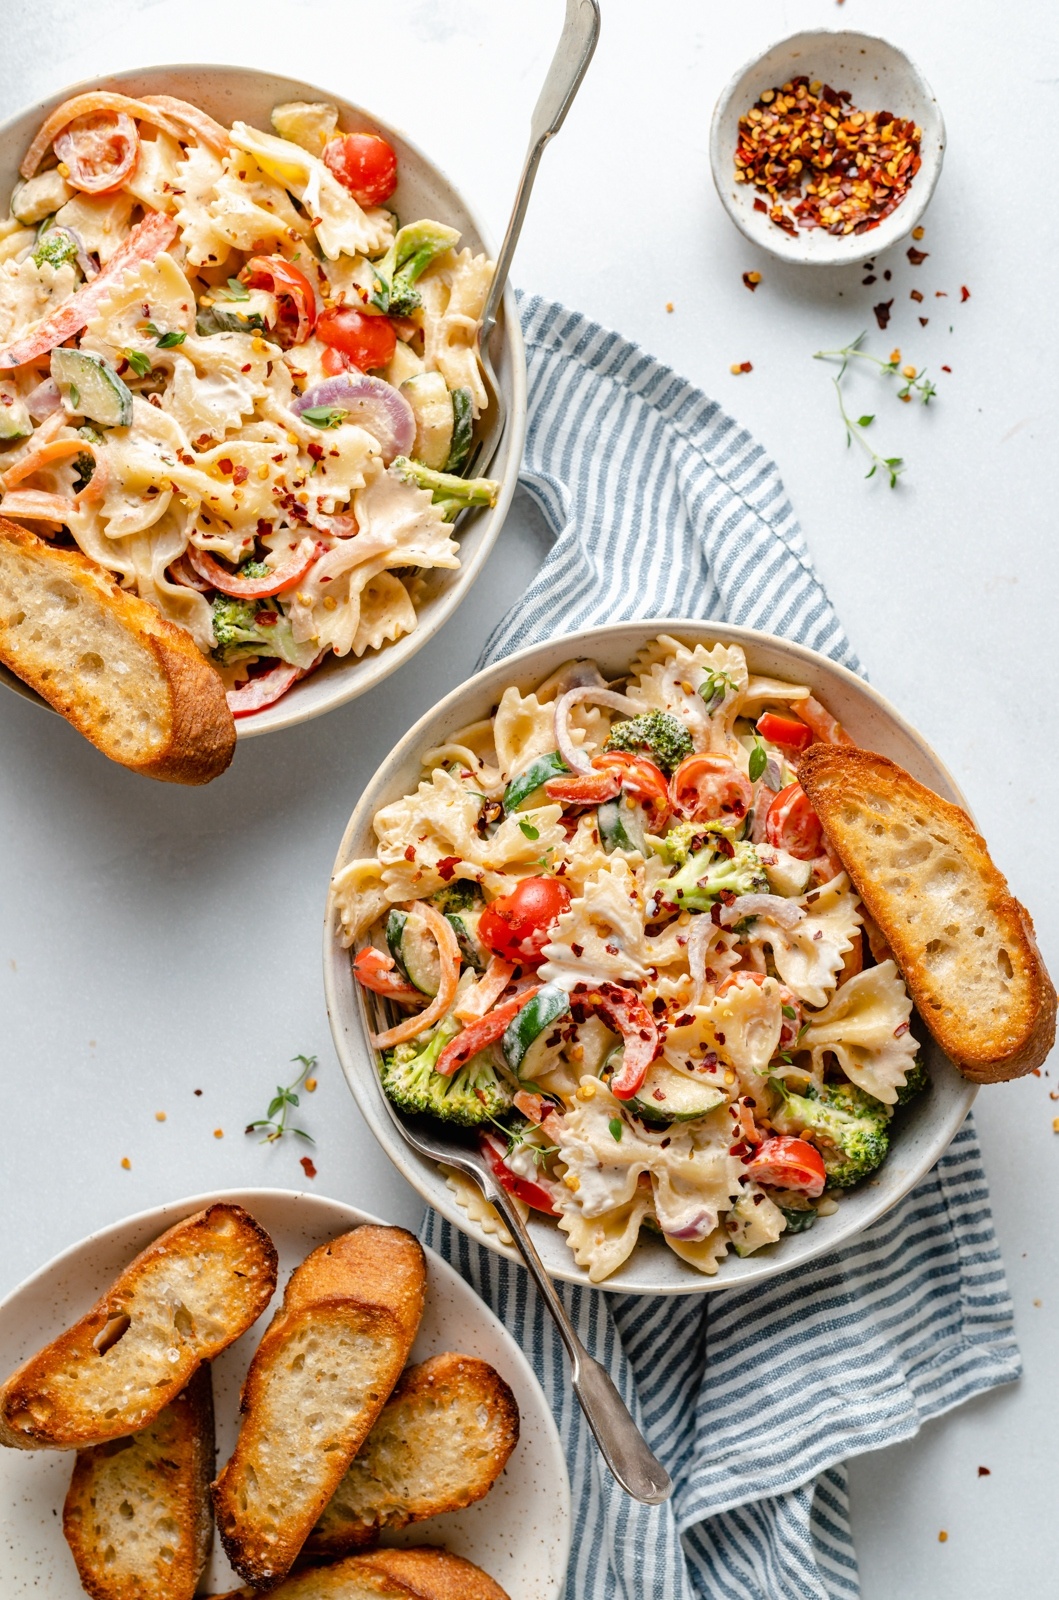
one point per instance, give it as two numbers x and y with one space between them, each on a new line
606 933
231 376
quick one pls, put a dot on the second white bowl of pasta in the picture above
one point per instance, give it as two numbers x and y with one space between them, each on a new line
585 916
238 368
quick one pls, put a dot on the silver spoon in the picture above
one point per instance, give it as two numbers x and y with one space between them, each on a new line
631 1461
569 65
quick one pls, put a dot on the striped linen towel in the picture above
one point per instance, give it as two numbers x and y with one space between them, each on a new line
662 505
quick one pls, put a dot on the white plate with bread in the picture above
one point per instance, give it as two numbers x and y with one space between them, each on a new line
108 1353
901 828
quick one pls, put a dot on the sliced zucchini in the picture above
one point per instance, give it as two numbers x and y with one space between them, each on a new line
15 421
91 388
621 825
465 927
667 1095
404 364
305 124
415 950
462 429
755 1220
524 1045
39 197
799 1221
525 786
431 403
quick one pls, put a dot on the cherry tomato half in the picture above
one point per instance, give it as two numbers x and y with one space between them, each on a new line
369 342
793 825
99 151
642 779
297 301
787 732
364 164
787 1163
519 924
710 789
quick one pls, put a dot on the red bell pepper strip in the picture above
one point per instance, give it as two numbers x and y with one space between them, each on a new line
278 581
375 970
826 727
487 1030
642 779
787 732
291 288
267 689
533 1194
147 240
624 1011
584 788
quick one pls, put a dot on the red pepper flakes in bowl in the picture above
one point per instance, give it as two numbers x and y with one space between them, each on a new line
823 162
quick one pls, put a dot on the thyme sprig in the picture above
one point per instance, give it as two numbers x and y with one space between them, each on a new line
915 383
280 1105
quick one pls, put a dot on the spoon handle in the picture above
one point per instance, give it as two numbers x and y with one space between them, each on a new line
622 1445
569 65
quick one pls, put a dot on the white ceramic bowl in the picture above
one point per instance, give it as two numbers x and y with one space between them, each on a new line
930 1122
880 78
423 190
520 1532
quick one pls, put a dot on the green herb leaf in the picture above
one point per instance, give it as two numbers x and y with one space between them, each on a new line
615 1126
790 1013
714 687
528 829
237 290
168 341
75 396
284 1097
758 762
865 422
139 363
324 416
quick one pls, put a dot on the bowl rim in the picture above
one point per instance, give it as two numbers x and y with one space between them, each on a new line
910 210
445 1275
381 663
362 1077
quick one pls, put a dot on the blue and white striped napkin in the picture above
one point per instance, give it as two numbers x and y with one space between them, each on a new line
662 505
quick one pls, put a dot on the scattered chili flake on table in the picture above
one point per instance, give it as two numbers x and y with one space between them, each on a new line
965 293
917 257
984 1472
946 369
308 1167
751 279
669 305
942 1536
823 162
882 312
915 294
126 1163
741 366
917 233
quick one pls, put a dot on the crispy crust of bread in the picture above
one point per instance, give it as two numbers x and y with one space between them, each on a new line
131 681
323 1372
966 947
182 1300
421 1573
441 1441
137 1515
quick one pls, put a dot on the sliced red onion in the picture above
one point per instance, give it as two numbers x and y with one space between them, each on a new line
370 403
45 399
773 907
698 944
181 571
698 1228
576 759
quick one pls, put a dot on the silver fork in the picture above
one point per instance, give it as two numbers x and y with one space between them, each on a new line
631 1461
569 65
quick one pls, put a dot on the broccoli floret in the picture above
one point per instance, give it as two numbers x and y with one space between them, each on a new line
462 894
709 871
239 632
452 494
850 1126
657 734
471 1096
55 248
415 246
918 1079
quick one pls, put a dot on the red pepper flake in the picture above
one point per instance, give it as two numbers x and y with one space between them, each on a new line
410 853
917 257
965 294
240 474
751 279
447 866
941 294
871 278
984 1472
316 451
822 162
267 619
923 321
916 294
246 368
740 366
946 369
308 1167
578 949
882 312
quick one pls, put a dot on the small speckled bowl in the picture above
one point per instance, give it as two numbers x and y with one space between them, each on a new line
519 1533
879 77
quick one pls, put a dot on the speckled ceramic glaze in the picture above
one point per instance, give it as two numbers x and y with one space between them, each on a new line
880 78
931 1121
228 93
520 1532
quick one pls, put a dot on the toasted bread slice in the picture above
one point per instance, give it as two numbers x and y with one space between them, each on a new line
186 1297
441 1442
137 1515
322 1373
132 682
418 1574
965 946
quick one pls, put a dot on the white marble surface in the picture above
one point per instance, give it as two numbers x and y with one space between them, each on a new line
155 941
